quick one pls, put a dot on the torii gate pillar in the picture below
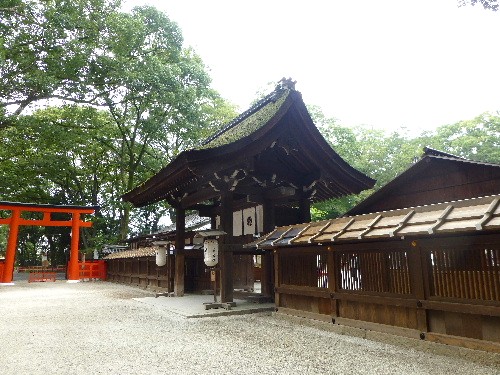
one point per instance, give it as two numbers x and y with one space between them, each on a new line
73 271
10 254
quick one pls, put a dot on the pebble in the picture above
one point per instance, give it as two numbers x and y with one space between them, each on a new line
97 328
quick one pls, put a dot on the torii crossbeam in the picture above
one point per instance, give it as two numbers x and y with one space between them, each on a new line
15 220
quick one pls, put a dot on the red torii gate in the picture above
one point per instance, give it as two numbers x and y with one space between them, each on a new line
15 220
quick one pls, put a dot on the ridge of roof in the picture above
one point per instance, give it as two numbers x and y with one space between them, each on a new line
460 160
434 152
279 94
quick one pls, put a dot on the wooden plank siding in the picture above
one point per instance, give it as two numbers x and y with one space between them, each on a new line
444 289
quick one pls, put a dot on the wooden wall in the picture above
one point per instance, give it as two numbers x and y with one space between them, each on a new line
442 181
440 289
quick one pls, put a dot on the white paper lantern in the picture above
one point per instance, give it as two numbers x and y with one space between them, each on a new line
161 256
211 252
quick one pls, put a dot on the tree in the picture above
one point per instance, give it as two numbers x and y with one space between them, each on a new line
476 139
156 92
59 156
487 4
46 50
133 66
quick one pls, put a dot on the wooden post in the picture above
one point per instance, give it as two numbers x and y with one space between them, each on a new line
225 251
417 283
305 210
74 272
10 255
267 280
277 278
332 281
180 228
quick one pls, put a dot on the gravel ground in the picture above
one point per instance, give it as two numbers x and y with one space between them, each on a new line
97 328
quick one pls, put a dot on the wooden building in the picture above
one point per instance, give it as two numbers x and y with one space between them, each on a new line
271 156
431 271
436 177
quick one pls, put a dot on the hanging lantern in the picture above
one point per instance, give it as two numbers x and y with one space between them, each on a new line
211 252
161 256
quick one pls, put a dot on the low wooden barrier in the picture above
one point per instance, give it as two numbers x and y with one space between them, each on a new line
93 270
444 290
58 269
42 276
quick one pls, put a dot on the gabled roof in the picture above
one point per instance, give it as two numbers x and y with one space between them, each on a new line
273 145
430 158
459 217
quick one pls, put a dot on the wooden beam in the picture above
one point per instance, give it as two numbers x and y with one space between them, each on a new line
465 342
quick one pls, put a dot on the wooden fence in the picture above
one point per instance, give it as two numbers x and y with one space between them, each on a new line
444 289
143 272
93 270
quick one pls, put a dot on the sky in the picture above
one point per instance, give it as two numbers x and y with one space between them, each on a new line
386 64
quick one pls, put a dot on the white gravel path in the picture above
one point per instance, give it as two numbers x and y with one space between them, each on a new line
97 328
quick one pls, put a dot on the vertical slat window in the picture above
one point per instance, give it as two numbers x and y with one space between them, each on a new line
374 271
465 273
304 270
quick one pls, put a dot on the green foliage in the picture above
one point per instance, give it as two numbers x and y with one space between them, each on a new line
477 139
154 95
383 157
487 4
47 49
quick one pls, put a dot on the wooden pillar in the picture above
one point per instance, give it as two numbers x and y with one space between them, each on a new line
180 230
277 278
73 271
10 255
304 210
225 249
267 279
332 281
417 283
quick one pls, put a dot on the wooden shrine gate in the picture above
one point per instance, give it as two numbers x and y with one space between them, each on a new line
16 219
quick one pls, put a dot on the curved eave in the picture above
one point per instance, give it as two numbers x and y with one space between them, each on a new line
336 170
158 186
339 177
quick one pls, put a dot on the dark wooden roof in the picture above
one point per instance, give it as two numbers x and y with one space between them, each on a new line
272 151
478 215
436 177
192 222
